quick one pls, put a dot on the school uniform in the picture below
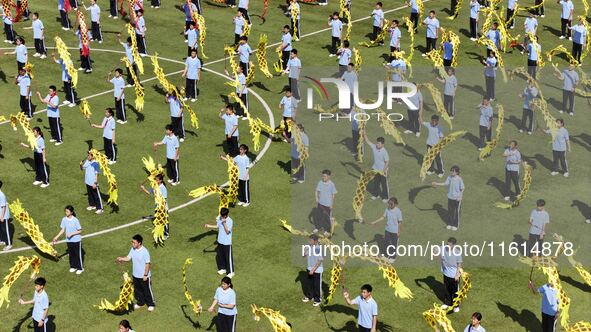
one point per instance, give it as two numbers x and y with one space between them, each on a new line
300 175
485 125
565 17
172 164
579 39
197 3
118 86
350 78
39 37
378 20
529 93
70 225
61 6
449 268
495 37
113 8
474 10
295 66
91 172
395 36
69 90
539 10
512 162
336 29
226 319
192 40
53 116
454 199
140 30
192 80
398 67
471 328
241 89
108 131
434 136
41 173
224 256
138 5
532 59
530 25
244 51
393 221
243 7
550 302
326 191
414 14
243 163
40 305
432 27
8 27
297 20
355 133
559 150
510 21
285 41
232 142
538 221
142 290
448 54
367 309
21 56
176 116
413 115
85 62
571 79
289 105
188 14
239 23
24 83
490 75
344 60
6 227
95 19
380 182
129 54
449 95
313 283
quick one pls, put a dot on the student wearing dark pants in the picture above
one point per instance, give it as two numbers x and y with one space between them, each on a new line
61 6
435 134
367 318
300 175
91 171
534 51
432 25
39 156
451 265
325 195
95 19
70 227
485 123
53 114
571 80
490 75
155 4
336 26
225 299
314 268
566 18
119 94
527 119
455 193
242 92
40 303
414 125
580 36
285 46
539 11
231 129
381 159
85 62
192 73
512 165
141 272
538 219
393 217
39 36
140 32
295 66
550 305
449 91
23 80
108 127
243 7
6 227
224 256
172 154
474 10
295 26
8 29
69 91
113 9
164 193
176 115
244 164
560 144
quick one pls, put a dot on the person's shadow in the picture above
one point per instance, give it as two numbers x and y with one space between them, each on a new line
414 192
472 139
584 209
140 117
350 325
349 228
195 323
203 235
525 318
435 286
497 183
19 324
409 151
545 162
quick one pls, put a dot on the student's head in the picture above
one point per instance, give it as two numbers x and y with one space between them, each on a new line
37 132
346 44
69 211
136 241
513 144
452 241
476 318
139 12
326 175
380 142
35 16
192 25
366 291
224 213
239 70
52 89
313 239
288 92
286 28
229 109
530 82
293 53
22 71
392 202
20 40
301 128
540 204
109 112
531 14
159 178
495 26
129 42
40 284
243 40
434 119
560 122
455 170
169 129
395 23
193 53
335 16
485 101
572 66
350 67
89 155
226 283
243 149
492 54
451 71
239 13
379 5
124 326
432 14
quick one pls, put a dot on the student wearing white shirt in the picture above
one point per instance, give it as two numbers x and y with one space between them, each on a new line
474 325
21 53
560 145
176 114
534 52
243 7
571 80
530 26
239 24
23 80
580 36
288 105
244 165
192 73
566 18
40 302
224 257
71 228
393 217
140 32
367 318
300 175
172 154
344 54
336 26
108 127
313 283
192 35
95 19
119 94
231 129
142 274
40 158
538 221
432 26
474 10
53 114
225 299
395 36
242 92
244 52
6 227
69 89
378 20
286 46
295 33
294 66
129 54
8 27
91 171
38 36
85 63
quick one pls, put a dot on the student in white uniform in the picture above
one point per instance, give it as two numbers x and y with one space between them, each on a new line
109 142
6 227
40 302
474 325
38 36
244 165
39 155
172 154
119 94
142 274
225 299
71 228
95 19
53 114
91 171
224 255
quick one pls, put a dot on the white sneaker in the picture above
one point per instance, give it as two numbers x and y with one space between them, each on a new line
507 198
222 271
454 228
424 55
373 198
473 39
150 309
72 105
588 221
175 183
7 248
384 200
408 132
143 55
136 306
418 134
332 55
80 69
72 270
316 304
124 122
36 55
115 17
448 227
66 102
566 174
128 85
521 130
305 300
110 15
244 118
561 111
43 56
193 100
444 306
65 29
570 38
36 183
52 140
315 230
246 204
230 275
239 203
79 272
456 309
529 132
186 41
542 16
391 260
99 211
553 173
561 37
326 234
429 172
440 175
44 185
181 140
111 162
2 243
169 180
59 143
90 208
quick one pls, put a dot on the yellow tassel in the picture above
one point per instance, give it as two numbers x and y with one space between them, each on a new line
462 294
195 305
101 158
232 179
389 127
251 70
134 50
295 11
278 66
456 11
489 43
31 228
261 55
246 31
361 142
358 60
358 199
160 211
124 300
542 106
301 149
495 141
437 317
64 54
561 49
436 149
277 320
411 33
202 32
139 89
579 327
527 179
224 199
335 277
438 100
381 36
394 282
21 119
19 267
85 109
344 11
564 300
587 26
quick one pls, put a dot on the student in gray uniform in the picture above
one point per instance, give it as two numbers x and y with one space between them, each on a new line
393 217
449 91
485 122
529 93
434 136
451 266
455 193
414 125
550 305
571 80
314 259
381 159
286 46
300 175
350 77
295 66
512 163
367 318
142 274
40 302
560 145
325 195
538 219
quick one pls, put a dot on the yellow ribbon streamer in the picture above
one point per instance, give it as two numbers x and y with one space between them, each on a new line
124 300
19 267
277 320
436 149
527 179
21 119
64 54
495 141
195 305
103 161
134 51
31 228
139 89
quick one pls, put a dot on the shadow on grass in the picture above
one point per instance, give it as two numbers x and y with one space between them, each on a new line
529 161
434 285
584 209
203 235
349 228
552 30
584 140
497 183
413 154
474 88
582 286
472 139
28 161
285 166
19 324
27 240
515 121
261 86
350 325
349 166
545 162
89 143
188 317
519 240
525 318
140 117
414 192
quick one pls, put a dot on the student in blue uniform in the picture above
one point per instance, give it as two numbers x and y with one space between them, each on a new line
177 119
300 175
129 54
95 19
40 158
85 63
243 7
448 54
23 80
119 94
395 36
6 227
560 145
378 20
230 129
242 92
108 127
39 37
71 228
325 198
490 75
164 192
53 114
529 94
294 65
455 194
239 24
534 52
40 302
286 46
192 73
435 134
550 305
224 255
172 154
485 123
393 217
141 272
288 105
571 80
61 7
493 35
538 221
8 27
189 8
69 90
512 166
449 91
579 38
344 54
381 161
474 10
125 326
244 165
140 32
113 9
432 29
451 268
336 26
414 13
295 33
21 53
244 52
314 268
91 171
192 35
225 299
367 318
474 325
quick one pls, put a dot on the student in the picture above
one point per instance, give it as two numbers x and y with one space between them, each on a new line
142 273
119 94
490 75
231 129
493 35
325 199
295 33
129 54
21 53
529 93
91 171
448 54
474 325
53 114
108 127
510 21
95 19
560 145
172 154
243 7
138 5
350 78
192 40
40 302
177 119
538 219
300 175
485 123
432 25
449 91
414 125
355 135
242 92
164 192
534 51
512 163
451 266
66 25
85 63
336 26
455 192
531 27
192 73
398 68
244 165
378 21
155 4
69 91
414 13
294 66
124 326
6 227
286 47
239 23
189 8
579 32
288 105
225 299
393 217
140 32
38 36
381 160
395 36
550 303
314 268
8 27
566 18
367 318
113 9
244 52
344 54
23 80
40 157
70 226
539 11
571 80
435 134
224 256
474 10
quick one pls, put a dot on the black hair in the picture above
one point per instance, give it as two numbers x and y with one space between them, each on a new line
40 281
396 21
287 89
36 14
394 200
477 315
513 141
381 140
230 107
486 98
326 172
435 117
301 126
160 177
561 120
110 111
245 147
244 38
138 238
335 14
71 209
286 27
379 3
1 183
52 87
119 70
346 43
367 287
452 240
432 11
540 202
168 127
125 324
224 212
455 168
351 64
227 281
313 237
37 129
139 11
294 51
129 39
22 40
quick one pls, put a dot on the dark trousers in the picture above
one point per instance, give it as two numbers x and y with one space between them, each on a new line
178 126
236 39
335 42
485 135
244 66
454 210
297 24
355 138
285 58
172 169
548 323
313 285
110 149
364 329
577 51
20 65
540 10
510 21
225 323
224 257
394 49
294 86
376 32
232 144
414 18
512 176
36 327
9 31
342 70
113 10
26 106
69 92
141 44
532 68
449 104
380 186
198 5
527 116
120 112
142 291
300 175
97 34
244 191
431 44
239 111
568 101
73 4
451 287
55 126
390 242
85 61
6 231
75 255
41 173
534 245
155 3
244 12
40 46
447 63
473 28
490 86
564 25
130 79
323 216
436 163
65 20
413 121
191 88
559 157
94 197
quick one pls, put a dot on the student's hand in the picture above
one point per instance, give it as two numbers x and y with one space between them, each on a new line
94 186
118 99
44 159
228 136
373 330
210 309
434 184
154 146
145 278
310 273
40 324
21 301
54 241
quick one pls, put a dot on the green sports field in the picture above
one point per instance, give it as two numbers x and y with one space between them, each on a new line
266 272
